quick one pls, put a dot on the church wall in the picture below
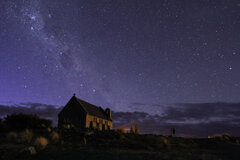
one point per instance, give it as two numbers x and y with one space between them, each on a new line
97 123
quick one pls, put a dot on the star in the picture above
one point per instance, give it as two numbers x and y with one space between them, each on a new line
49 15
205 43
33 17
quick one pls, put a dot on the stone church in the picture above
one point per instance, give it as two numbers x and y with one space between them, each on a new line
84 115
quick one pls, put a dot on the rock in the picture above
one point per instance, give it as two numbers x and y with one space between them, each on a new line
89 133
32 150
29 151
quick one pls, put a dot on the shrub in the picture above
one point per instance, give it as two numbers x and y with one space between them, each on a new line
66 126
224 136
2 126
49 129
136 129
131 129
237 141
26 136
23 121
121 129
12 136
165 142
41 143
55 137
217 136
120 136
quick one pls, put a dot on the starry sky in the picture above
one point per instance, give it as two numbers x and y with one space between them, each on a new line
127 55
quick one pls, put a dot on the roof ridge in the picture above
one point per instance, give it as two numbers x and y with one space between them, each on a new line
92 109
89 103
79 101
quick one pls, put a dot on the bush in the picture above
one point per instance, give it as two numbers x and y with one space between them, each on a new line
217 136
2 126
237 141
41 143
131 130
121 129
165 142
224 136
55 137
12 136
23 121
136 129
49 129
26 136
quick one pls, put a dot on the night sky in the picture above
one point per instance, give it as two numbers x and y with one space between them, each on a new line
127 55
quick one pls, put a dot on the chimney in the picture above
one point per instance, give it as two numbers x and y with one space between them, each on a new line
108 112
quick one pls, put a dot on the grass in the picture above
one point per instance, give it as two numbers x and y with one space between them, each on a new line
26 136
55 137
12 137
41 143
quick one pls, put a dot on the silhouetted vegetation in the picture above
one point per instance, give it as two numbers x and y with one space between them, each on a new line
55 137
121 129
2 126
131 130
22 121
136 131
26 136
41 143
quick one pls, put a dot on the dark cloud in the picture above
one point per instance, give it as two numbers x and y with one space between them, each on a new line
189 119
205 111
192 119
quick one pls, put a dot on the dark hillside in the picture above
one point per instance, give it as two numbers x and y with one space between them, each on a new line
41 141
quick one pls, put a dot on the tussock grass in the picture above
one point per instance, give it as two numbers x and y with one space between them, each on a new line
41 143
55 137
12 136
26 136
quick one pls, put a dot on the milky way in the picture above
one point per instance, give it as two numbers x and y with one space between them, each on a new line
126 55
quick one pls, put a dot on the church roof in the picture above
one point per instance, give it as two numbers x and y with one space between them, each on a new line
92 109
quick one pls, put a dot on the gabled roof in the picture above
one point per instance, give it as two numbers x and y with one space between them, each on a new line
92 109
